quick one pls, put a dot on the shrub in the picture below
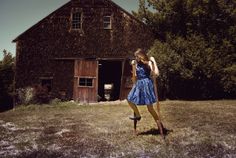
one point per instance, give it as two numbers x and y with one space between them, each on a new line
33 95
25 95
55 101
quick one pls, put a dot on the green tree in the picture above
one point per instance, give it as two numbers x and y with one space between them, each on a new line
195 46
6 80
182 17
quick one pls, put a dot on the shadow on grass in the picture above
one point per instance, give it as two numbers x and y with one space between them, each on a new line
154 131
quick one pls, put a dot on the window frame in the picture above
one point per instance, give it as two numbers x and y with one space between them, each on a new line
47 79
106 22
86 81
79 22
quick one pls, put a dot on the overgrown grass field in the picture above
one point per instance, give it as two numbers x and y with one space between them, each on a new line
195 129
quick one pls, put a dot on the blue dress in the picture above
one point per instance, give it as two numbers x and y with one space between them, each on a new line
142 92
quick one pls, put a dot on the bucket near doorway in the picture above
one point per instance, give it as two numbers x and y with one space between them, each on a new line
108 89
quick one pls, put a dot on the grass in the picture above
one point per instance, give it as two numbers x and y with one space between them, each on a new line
196 129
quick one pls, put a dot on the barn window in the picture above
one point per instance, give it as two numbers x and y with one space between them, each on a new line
76 20
107 22
47 83
85 82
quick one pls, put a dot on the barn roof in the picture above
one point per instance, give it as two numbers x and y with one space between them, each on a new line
65 5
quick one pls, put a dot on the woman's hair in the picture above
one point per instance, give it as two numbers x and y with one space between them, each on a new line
140 53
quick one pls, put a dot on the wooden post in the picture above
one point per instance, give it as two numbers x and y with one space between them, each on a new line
135 123
157 103
134 78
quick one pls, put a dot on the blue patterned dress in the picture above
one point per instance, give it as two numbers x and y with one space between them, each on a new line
142 92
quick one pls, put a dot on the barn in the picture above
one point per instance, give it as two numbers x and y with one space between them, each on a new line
80 49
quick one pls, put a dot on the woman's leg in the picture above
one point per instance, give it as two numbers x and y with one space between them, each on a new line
135 109
159 114
156 118
158 110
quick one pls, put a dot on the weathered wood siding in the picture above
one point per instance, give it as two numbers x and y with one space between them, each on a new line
63 78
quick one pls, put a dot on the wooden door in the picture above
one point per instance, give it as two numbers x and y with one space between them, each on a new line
85 81
126 81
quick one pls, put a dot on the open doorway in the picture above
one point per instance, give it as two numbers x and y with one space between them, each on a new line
109 78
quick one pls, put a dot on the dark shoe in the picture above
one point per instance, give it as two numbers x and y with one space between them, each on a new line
135 118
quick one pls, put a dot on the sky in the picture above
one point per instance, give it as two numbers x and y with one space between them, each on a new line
16 16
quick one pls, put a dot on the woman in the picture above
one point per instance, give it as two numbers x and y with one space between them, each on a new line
143 92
